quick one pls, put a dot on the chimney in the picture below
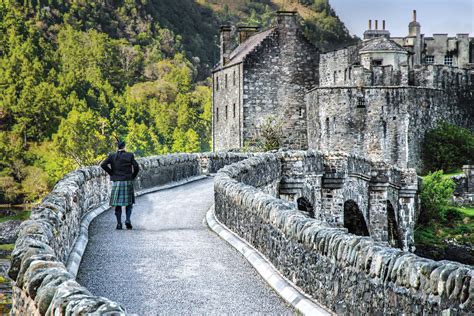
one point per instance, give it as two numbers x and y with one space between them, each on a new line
246 31
383 25
376 24
370 24
286 19
414 15
226 42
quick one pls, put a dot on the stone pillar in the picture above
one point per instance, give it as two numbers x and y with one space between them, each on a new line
332 199
378 196
408 208
469 172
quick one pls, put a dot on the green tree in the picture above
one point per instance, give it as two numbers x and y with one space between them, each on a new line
435 196
142 140
447 147
83 137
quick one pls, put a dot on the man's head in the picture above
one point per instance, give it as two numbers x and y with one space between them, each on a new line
121 144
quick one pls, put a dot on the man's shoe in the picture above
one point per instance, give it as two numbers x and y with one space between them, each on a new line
119 226
128 225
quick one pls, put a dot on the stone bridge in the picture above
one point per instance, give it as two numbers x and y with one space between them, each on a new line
254 197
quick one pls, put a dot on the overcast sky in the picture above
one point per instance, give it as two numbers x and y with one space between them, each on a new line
435 16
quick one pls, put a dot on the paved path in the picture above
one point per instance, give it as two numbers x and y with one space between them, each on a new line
171 263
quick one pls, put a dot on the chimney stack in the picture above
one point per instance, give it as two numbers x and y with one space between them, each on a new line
414 15
286 19
370 24
226 42
246 31
383 25
376 24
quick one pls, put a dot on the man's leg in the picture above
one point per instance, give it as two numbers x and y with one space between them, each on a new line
128 213
118 215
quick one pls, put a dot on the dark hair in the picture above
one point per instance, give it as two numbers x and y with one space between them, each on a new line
121 144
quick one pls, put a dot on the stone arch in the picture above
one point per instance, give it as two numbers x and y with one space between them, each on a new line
305 205
392 227
354 219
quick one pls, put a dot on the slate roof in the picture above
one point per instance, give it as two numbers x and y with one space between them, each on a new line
381 44
240 52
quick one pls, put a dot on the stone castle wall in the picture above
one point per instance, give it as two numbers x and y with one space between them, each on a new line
42 284
382 123
348 274
227 111
277 75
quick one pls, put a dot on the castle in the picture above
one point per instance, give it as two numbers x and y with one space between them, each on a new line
376 98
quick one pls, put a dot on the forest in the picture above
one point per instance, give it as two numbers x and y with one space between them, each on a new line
76 75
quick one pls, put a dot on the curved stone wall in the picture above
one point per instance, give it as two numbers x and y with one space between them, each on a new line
349 274
42 284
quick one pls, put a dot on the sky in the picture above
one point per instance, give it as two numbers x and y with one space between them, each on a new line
435 16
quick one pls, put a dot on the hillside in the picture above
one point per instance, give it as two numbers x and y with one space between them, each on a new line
76 74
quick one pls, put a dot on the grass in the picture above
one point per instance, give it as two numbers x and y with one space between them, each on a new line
8 247
459 228
21 216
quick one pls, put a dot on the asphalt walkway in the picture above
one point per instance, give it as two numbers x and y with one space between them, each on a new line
171 263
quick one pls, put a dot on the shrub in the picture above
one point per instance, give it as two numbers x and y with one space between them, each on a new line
448 147
271 132
435 195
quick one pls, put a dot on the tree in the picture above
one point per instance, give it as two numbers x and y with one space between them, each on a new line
447 147
142 140
83 137
435 196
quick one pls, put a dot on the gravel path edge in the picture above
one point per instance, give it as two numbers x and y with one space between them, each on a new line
285 288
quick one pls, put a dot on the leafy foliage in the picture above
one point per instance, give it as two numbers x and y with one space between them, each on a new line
435 196
448 147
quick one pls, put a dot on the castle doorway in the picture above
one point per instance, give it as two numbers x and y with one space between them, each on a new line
354 219
393 238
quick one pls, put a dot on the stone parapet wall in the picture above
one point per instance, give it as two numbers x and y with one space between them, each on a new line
347 273
42 284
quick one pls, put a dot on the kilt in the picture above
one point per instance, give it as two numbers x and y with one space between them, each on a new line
122 193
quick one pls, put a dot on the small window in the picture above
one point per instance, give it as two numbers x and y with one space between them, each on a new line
345 75
448 60
377 62
234 77
300 112
226 81
217 114
234 110
350 72
217 83
226 112
327 126
361 102
429 59
334 76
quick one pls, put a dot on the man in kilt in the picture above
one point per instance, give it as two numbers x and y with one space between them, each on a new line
123 169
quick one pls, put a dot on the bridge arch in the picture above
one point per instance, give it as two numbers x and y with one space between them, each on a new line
392 227
354 220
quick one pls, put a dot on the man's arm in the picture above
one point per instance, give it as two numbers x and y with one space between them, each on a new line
105 165
136 167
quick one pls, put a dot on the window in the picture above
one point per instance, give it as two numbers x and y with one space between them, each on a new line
377 62
360 102
234 77
448 60
217 83
327 126
226 112
217 114
300 112
429 59
234 110
345 75
334 77
226 81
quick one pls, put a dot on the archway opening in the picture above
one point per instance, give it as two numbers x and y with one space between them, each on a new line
393 238
305 205
354 219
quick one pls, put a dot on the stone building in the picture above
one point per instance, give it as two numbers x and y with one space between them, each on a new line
268 73
376 99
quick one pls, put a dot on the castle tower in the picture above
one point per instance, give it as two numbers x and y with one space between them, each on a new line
414 36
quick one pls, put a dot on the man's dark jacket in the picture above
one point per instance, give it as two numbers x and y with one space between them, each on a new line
123 166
